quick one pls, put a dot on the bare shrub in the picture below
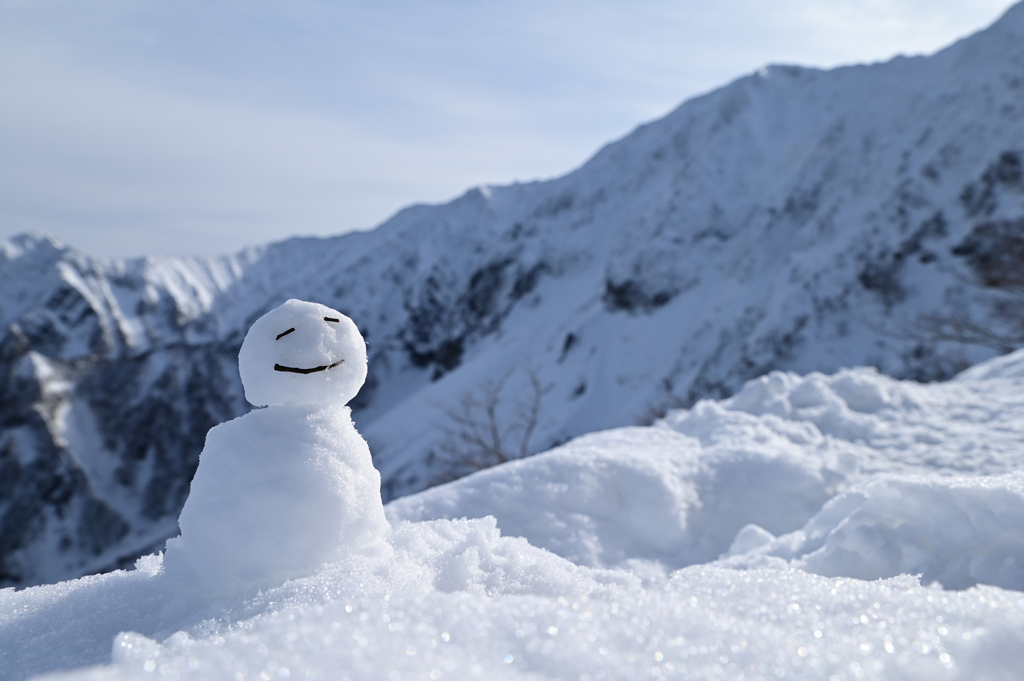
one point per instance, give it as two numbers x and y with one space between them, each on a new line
960 327
486 427
994 254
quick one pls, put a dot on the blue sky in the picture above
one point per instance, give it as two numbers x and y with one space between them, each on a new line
132 127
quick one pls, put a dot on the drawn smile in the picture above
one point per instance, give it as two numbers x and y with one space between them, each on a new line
297 370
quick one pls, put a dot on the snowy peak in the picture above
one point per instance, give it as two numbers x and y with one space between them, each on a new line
795 219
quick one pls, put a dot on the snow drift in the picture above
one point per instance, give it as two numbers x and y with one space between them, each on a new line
846 525
919 479
955 531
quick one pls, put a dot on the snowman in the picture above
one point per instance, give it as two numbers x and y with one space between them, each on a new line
284 489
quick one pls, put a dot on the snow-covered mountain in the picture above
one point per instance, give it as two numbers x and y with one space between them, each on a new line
795 219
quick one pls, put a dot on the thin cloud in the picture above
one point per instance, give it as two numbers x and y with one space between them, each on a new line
199 127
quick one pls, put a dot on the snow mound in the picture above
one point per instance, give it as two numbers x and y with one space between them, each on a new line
446 565
1009 366
685 491
869 423
811 502
386 619
630 494
954 531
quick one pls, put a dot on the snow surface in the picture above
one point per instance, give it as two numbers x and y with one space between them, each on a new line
771 456
804 528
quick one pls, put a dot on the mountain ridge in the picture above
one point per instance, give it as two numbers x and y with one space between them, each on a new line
794 219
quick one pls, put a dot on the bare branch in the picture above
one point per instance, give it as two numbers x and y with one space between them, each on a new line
529 413
995 256
485 429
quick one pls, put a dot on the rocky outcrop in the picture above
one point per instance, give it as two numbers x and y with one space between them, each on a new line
795 219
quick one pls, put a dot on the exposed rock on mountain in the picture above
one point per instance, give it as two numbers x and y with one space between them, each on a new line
795 219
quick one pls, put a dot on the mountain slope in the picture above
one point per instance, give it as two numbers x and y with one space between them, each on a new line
795 219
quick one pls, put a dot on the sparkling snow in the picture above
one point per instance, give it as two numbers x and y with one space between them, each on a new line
820 527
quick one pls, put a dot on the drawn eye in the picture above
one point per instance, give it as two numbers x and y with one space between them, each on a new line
332 319
282 335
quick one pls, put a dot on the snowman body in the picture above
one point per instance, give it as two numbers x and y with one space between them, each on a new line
284 489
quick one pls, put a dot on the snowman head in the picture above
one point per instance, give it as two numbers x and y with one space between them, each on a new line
302 353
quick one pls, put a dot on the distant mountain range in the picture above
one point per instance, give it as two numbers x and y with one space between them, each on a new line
795 219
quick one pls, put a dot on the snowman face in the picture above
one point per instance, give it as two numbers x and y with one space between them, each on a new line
302 353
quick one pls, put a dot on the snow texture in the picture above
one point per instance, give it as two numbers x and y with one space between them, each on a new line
809 527
955 531
897 461
285 489
635 493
